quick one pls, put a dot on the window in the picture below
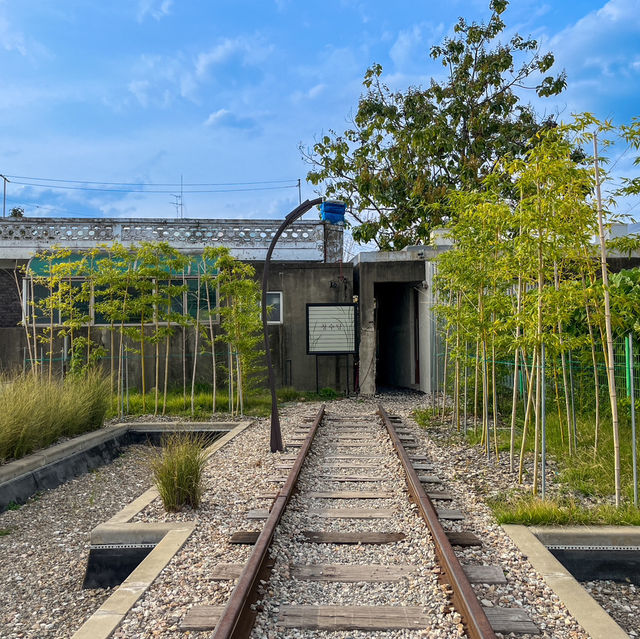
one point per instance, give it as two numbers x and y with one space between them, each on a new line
274 307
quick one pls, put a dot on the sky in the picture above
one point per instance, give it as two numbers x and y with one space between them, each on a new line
103 97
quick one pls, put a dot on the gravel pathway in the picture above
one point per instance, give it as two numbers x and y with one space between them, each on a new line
241 470
50 603
44 554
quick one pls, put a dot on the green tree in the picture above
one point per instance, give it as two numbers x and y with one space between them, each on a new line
407 150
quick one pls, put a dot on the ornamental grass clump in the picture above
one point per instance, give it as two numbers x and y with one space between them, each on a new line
178 471
36 412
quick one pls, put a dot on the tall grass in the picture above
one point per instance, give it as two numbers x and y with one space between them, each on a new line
34 412
178 470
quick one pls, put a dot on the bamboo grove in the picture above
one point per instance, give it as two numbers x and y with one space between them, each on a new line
148 303
523 286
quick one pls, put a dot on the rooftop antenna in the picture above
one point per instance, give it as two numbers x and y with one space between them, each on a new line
179 201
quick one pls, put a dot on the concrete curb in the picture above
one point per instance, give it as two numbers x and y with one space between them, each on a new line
169 539
106 619
49 468
578 601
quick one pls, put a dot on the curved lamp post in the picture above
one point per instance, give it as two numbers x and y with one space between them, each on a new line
276 435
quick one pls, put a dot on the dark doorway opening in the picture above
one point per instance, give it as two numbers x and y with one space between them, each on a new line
397 336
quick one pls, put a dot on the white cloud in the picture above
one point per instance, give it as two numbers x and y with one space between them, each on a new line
597 37
251 51
157 9
10 39
310 94
410 50
216 117
140 90
600 53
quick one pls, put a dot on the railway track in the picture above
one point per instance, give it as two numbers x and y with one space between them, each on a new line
358 535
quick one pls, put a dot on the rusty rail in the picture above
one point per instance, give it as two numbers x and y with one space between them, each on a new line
236 620
473 616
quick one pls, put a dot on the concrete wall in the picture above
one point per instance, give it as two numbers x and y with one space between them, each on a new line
304 283
300 282
21 238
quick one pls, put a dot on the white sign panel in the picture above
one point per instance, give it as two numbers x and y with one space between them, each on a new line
331 329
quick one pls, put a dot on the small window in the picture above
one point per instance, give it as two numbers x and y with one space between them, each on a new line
274 308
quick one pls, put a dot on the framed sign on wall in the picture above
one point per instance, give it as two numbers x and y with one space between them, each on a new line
331 329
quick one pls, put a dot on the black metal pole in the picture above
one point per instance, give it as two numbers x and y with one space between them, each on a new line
276 434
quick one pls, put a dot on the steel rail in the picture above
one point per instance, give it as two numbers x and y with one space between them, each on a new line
473 616
236 620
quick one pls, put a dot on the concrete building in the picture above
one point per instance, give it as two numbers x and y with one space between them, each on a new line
306 267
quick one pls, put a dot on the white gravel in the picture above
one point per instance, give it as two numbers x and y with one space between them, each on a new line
620 600
234 477
44 554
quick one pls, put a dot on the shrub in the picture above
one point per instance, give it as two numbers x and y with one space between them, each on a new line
36 412
327 393
178 470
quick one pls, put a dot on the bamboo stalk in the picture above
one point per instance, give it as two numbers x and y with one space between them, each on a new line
213 353
195 347
607 318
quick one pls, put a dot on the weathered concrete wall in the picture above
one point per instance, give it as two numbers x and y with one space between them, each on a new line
247 239
299 282
302 284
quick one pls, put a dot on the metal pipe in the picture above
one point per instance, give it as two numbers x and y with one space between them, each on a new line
299 211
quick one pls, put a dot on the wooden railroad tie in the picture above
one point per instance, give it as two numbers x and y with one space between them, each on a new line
440 494
353 617
429 479
351 573
353 456
201 618
244 537
419 467
348 466
510 620
450 515
485 574
350 494
419 458
352 478
352 538
222 572
352 513
463 539
362 444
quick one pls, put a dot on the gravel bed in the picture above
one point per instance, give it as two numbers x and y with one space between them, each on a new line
620 600
421 589
46 549
234 477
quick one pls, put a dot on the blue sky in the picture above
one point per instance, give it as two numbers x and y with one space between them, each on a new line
223 92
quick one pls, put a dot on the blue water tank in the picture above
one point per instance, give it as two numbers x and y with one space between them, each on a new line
333 211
